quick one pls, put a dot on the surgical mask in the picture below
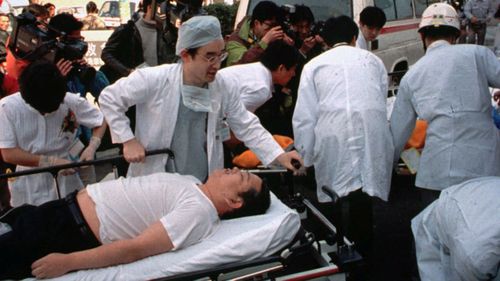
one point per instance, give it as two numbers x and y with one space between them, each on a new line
198 99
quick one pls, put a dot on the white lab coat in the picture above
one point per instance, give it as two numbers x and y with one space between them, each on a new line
254 81
23 126
457 237
340 122
156 92
448 88
361 42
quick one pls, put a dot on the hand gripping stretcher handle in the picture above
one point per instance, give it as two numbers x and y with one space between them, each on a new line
54 170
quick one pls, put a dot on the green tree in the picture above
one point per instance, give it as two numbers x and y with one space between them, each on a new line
226 15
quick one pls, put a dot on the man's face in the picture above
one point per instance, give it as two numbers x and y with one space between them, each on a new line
370 33
75 35
283 75
260 28
302 28
4 23
232 182
202 67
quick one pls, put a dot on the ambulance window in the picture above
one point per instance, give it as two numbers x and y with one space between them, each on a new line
403 9
321 9
388 7
420 6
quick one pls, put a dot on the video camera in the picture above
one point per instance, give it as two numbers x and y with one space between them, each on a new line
182 10
33 40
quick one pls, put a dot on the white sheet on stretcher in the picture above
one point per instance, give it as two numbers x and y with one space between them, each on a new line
235 240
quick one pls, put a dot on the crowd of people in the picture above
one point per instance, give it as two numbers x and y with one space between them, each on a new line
323 89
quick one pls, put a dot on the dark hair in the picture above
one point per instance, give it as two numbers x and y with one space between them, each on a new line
145 4
42 86
254 203
91 7
37 10
302 13
266 10
48 6
277 53
66 23
338 30
372 17
192 51
440 32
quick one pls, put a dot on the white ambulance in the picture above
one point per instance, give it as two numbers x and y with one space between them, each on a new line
398 45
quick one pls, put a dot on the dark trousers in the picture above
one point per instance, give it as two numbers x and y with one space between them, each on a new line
56 226
479 30
353 215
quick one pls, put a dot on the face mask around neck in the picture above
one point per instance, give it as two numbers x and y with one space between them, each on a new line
198 99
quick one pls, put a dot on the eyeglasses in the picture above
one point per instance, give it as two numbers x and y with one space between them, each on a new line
212 59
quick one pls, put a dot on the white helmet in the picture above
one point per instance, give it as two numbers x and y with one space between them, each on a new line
439 14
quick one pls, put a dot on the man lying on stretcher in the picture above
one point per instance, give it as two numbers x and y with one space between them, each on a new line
124 220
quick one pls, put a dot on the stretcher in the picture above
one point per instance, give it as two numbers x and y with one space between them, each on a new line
270 246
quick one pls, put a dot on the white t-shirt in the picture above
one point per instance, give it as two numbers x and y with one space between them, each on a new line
127 206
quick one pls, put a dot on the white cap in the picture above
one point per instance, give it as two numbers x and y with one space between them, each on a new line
439 14
198 31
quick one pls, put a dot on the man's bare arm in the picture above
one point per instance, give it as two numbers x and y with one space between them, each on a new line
154 240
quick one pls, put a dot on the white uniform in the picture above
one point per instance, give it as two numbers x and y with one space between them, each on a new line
458 236
156 91
361 42
448 88
340 122
23 126
254 80
127 206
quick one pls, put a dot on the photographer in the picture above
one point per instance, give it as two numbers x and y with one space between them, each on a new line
247 43
80 77
15 65
307 41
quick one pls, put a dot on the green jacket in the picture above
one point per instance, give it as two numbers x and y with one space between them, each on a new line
242 46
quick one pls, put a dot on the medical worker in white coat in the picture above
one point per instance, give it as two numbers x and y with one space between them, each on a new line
37 129
457 237
340 123
449 88
255 81
187 108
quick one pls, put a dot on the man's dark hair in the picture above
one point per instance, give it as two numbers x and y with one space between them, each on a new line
440 32
42 86
372 17
37 10
339 30
48 6
266 10
254 203
145 4
91 7
277 53
66 23
302 13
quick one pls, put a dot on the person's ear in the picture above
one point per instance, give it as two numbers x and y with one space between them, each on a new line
235 203
185 56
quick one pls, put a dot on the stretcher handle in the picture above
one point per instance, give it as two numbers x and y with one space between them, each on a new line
55 169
